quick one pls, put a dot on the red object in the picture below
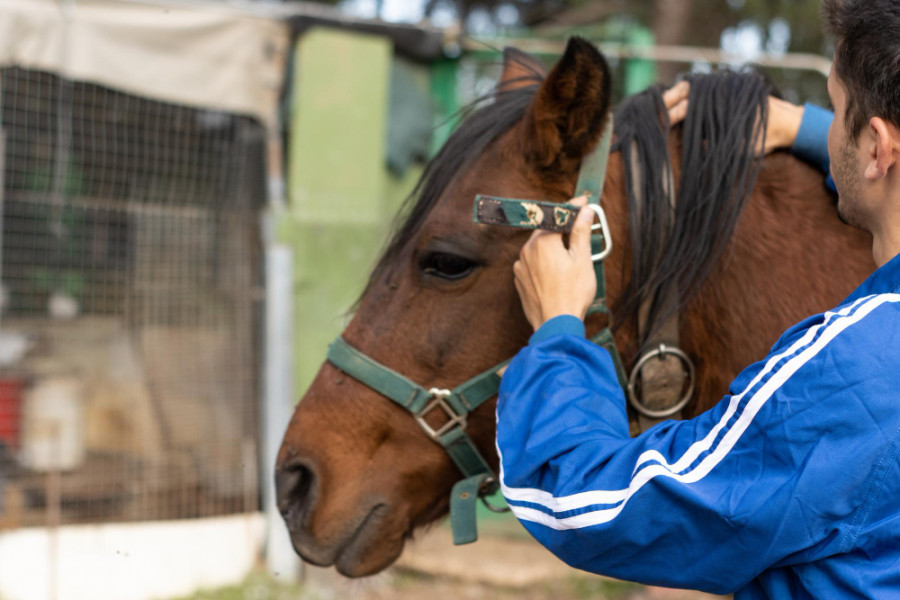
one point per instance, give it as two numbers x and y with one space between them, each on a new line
10 411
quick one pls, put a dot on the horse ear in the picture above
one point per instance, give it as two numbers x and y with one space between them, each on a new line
568 113
520 69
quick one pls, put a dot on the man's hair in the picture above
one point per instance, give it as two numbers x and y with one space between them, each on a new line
867 58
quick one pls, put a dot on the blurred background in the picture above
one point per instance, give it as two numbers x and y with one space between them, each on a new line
192 195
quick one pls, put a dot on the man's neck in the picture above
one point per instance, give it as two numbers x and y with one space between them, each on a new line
886 240
883 253
885 226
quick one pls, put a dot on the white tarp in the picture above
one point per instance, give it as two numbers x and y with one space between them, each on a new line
197 54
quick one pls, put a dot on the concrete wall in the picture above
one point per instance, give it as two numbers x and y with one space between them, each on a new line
128 561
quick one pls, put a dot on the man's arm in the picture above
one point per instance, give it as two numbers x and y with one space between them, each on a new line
811 140
803 130
779 472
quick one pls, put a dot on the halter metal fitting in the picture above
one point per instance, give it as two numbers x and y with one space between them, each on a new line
490 486
661 353
439 400
603 228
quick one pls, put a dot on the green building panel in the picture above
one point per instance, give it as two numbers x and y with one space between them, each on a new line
341 197
338 127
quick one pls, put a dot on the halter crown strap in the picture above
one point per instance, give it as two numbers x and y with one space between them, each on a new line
591 179
592 175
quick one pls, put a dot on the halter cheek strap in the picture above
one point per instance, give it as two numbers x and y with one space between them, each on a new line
591 179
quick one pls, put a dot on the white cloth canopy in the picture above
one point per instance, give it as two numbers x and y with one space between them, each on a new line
205 55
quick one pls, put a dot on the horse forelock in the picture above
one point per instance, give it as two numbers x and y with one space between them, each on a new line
483 122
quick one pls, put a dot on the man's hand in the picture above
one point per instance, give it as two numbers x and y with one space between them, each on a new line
553 280
676 100
784 123
781 129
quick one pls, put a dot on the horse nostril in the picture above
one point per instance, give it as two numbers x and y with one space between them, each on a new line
294 484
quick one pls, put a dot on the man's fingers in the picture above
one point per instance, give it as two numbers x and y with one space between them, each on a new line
528 248
517 280
677 93
520 287
540 239
783 125
580 238
524 285
678 113
522 275
579 201
519 269
676 101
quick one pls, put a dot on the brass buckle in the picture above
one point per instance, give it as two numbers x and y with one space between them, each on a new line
603 228
439 400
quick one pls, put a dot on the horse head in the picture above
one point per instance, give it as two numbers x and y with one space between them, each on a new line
356 474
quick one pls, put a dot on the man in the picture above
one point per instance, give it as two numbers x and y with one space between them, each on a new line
789 486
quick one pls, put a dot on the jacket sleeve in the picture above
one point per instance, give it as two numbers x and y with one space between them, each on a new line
758 481
811 143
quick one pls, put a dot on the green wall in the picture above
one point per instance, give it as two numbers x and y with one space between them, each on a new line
341 197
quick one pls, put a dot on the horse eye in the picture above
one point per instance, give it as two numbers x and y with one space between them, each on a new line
447 266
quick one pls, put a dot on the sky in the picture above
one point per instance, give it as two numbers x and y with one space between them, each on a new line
411 11
748 40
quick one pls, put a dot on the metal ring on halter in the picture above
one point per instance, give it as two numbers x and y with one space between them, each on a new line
661 352
439 400
603 227
497 509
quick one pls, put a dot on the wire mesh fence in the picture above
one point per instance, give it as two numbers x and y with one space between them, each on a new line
129 307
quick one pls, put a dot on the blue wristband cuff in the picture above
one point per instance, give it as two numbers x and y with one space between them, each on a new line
812 138
563 324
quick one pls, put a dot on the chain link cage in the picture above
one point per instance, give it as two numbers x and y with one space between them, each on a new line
130 306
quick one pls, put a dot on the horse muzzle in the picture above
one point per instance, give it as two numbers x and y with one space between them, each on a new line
352 544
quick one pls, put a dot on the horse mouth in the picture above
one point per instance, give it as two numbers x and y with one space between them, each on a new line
358 555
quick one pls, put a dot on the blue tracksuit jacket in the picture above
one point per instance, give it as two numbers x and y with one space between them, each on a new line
811 143
788 488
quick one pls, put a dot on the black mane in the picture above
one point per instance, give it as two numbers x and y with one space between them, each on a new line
675 250
718 170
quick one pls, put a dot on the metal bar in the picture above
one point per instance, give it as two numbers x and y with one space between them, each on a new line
680 54
53 493
278 402
2 196
125 206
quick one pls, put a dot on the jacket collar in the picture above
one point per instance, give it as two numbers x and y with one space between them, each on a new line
883 281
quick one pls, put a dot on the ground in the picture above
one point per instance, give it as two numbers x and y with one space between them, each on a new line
502 565
400 584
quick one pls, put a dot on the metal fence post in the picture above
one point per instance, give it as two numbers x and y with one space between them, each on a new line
277 403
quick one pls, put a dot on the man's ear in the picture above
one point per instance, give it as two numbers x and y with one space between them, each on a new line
884 144
568 113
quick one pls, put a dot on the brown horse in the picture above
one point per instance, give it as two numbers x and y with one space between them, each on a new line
356 474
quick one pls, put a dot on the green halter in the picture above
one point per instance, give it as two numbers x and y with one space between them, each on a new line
479 480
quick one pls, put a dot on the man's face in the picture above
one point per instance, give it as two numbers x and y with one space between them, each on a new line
847 166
